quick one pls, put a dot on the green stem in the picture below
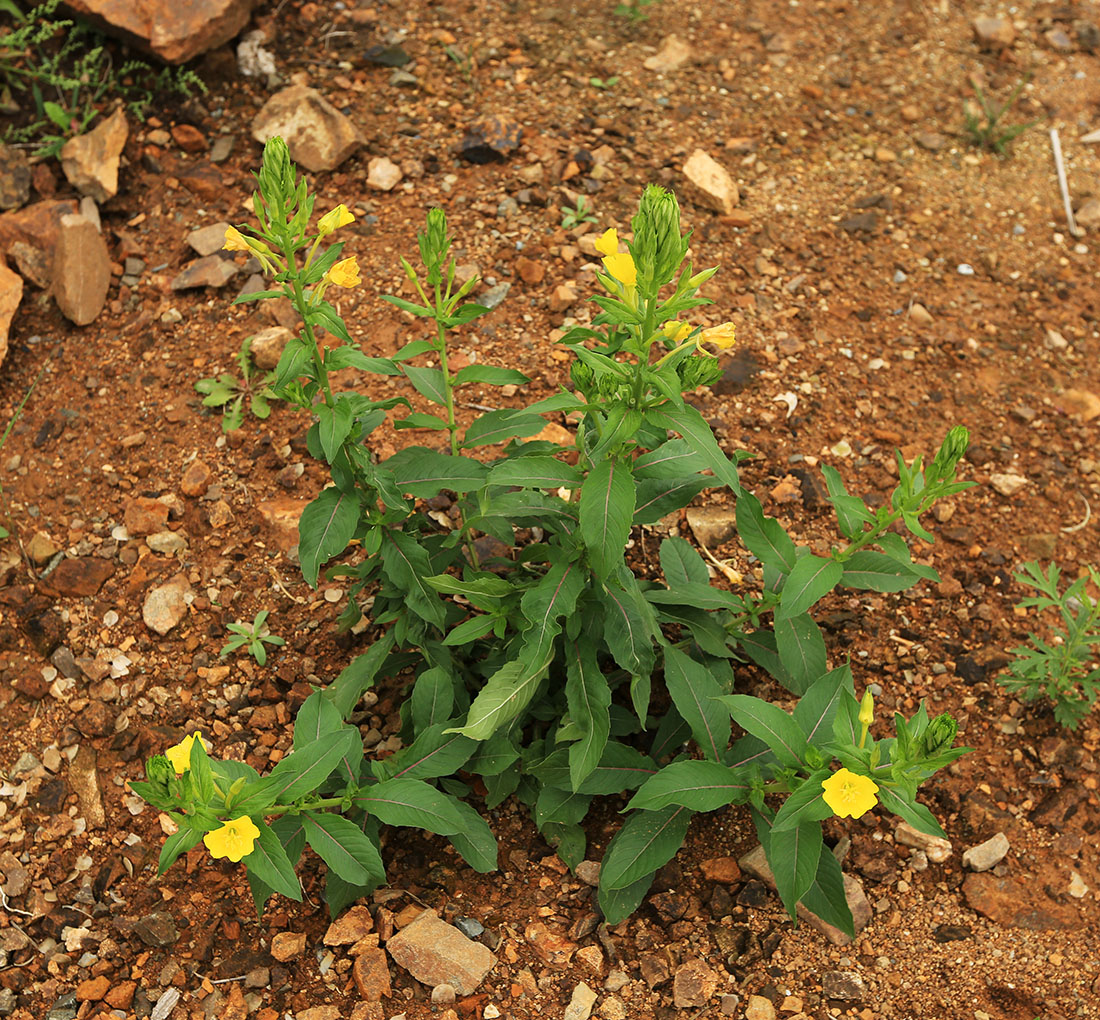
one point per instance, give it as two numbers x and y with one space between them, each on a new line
303 308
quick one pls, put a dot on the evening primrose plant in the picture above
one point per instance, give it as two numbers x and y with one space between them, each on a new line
534 660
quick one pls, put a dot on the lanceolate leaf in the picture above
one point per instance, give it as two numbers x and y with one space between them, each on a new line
536 473
658 497
618 904
434 753
764 536
911 811
428 382
793 856
406 563
358 676
607 506
876 571
345 848
771 724
698 785
695 694
801 650
507 692
269 863
425 473
628 630
325 528
489 375
334 425
647 841
588 698
826 896
413 803
432 698
475 840
682 564
315 719
497 426
548 601
674 459
811 578
806 804
302 771
816 709
694 428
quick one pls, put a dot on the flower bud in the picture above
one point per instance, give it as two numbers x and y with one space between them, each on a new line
658 246
334 219
276 169
939 736
949 454
159 770
867 709
698 370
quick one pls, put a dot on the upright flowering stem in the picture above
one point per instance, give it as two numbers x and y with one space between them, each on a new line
448 385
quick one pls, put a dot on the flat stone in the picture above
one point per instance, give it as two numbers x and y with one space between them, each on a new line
843 984
1088 214
589 872
383 174
436 953
268 344
144 516
82 576
90 161
712 526
93 989
759 1008
84 780
318 135
175 32
81 270
936 848
208 240
37 225
554 950
95 720
1007 483
490 139
1080 404
15 178
371 974
41 548
166 605
282 516
319 1013
994 33
288 945
349 927
11 293
693 984
709 184
157 930
32 264
986 855
210 271
580 1005
1017 902
167 543
672 55
189 138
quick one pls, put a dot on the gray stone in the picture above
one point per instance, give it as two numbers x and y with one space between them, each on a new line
318 135
157 930
589 872
693 984
208 240
471 927
167 543
436 953
210 271
986 855
843 984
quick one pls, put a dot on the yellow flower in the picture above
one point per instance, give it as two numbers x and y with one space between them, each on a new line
338 217
867 709
721 337
622 268
180 755
676 332
608 243
235 241
849 794
345 273
234 839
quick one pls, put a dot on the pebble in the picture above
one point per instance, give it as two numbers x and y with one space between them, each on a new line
843 984
167 543
490 139
349 927
443 994
759 1008
1077 888
318 135
492 297
1006 483
204 241
383 174
580 1005
267 345
589 872
965 270
371 974
710 184
693 984
712 526
470 927
288 945
672 55
81 270
728 1004
166 605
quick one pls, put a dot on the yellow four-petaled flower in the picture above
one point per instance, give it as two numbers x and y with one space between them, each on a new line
334 219
849 794
608 242
721 336
621 266
180 755
235 241
344 273
676 332
234 840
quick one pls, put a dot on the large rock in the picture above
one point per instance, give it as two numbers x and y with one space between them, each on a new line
81 270
173 31
90 161
11 293
709 184
318 135
437 953
1018 901
38 226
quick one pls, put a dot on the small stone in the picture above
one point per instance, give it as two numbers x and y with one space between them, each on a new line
166 605
1088 214
435 952
209 271
933 141
986 855
189 138
920 315
994 33
144 516
267 345
93 989
1080 404
493 297
383 174
80 271
580 1005
1007 483
1041 545
728 1004
167 543
90 161
693 985
371 974
861 222
710 184
41 548
121 996
591 957
1077 888
288 945
11 293
721 869
589 873
759 1008
208 240
282 516
672 55
1018 902
443 994
655 969
219 514
96 720
81 576
84 780
564 296
157 930
712 526
554 950
349 927
195 479
490 139
843 984
15 178
318 135
937 848
471 927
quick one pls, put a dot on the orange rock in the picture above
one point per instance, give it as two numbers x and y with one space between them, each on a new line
93 989
121 995
721 869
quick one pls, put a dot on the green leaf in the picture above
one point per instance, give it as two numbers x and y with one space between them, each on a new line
694 428
295 361
317 718
699 596
588 698
330 319
539 472
910 810
507 692
268 861
326 527
358 676
706 631
695 694
793 860
428 382
565 807
305 769
607 506
826 897
547 602
647 841
497 426
876 571
345 848
418 310
682 564
806 804
811 578
816 709
801 651
658 497
419 420
618 904
432 697
698 785
351 357
406 564
467 313
764 536
489 375
178 843
771 724
851 513
434 753
422 472
413 803
61 117
675 459
475 840
628 627
621 768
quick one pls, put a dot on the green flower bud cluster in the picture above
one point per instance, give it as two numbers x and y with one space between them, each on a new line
701 370
658 247
949 454
434 245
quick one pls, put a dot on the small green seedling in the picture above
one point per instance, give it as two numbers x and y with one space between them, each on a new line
634 10
255 635
984 127
575 217
1059 669
604 83
228 392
